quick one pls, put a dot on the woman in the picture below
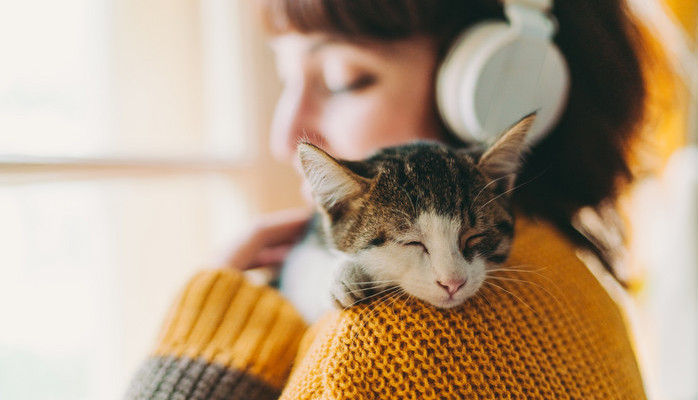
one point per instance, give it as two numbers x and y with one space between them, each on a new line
359 75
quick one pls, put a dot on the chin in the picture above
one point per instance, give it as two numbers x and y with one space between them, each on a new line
448 302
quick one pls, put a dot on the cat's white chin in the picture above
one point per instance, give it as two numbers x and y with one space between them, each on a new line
447 303
443 300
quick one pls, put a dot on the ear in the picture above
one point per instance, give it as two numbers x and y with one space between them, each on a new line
503 159
331 182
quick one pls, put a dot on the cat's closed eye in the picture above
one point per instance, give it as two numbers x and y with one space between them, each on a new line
472 241
418 244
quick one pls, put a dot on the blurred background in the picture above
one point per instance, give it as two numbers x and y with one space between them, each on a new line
133 150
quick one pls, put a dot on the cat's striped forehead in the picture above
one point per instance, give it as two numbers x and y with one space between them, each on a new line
431 177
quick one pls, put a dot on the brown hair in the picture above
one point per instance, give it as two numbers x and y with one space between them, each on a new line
584 162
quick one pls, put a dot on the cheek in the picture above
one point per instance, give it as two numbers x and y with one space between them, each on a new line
356 127
390 262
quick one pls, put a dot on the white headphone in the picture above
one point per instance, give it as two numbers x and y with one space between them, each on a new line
498 72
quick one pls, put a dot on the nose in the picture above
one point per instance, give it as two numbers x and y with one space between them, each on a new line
295 119
451 286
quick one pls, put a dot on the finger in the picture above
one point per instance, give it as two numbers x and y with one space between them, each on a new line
270 256
272 230
281 227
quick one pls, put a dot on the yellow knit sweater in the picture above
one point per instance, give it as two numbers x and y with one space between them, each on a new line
543 329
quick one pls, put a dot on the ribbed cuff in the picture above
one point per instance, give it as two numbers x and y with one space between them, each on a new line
224 338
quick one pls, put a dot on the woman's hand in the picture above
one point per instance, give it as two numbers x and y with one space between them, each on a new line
269 240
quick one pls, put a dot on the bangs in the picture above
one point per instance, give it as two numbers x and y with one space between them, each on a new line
370 19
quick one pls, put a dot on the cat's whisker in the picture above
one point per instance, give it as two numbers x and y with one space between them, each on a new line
364 287
547 279
516 269
489 290
395 297
501 278
368 297
371 290
528 271
498 196
382 304
385 292
513 295
367 282
504 271
538 267
414 208
366 311
407 301
501 271
408 218
486 186
398 296
482 293
512 189
557 288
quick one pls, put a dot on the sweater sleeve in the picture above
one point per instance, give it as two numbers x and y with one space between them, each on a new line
223 339
541 328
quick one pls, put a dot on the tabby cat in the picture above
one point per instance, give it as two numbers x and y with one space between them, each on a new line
423 217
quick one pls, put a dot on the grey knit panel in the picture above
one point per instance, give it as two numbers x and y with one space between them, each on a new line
171 378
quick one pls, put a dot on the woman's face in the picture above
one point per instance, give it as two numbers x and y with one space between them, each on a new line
352 99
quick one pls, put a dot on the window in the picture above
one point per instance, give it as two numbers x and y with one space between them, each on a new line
53 81
131 153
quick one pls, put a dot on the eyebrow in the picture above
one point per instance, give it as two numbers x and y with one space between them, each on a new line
322 42
319 46
313 48
327 41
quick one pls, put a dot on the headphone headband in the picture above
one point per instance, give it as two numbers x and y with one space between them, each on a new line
528 21
540 5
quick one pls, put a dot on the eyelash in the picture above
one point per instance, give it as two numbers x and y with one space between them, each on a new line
358 84
420 244
467 247
469 242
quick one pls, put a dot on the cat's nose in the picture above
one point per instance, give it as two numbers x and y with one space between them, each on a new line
451 286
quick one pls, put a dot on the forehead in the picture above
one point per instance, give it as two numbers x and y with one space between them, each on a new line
431 178
305 46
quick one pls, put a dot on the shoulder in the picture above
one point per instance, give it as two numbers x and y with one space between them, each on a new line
543 327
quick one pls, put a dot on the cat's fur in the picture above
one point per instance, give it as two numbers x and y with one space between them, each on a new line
422 216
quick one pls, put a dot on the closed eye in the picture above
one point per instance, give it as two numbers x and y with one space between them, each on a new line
360 83
419 244
473 241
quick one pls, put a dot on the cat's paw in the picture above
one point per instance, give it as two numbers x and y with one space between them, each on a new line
346 295
351 286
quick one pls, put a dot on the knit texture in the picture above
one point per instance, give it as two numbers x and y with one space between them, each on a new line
224 339
544 328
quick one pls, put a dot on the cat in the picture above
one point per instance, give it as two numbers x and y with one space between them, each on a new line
423 217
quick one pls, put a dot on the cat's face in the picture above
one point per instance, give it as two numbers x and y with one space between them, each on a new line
420 216
439 258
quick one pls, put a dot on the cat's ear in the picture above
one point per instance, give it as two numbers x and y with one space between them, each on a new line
331 182
503 159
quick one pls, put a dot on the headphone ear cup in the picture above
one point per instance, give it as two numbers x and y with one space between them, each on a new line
493 76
